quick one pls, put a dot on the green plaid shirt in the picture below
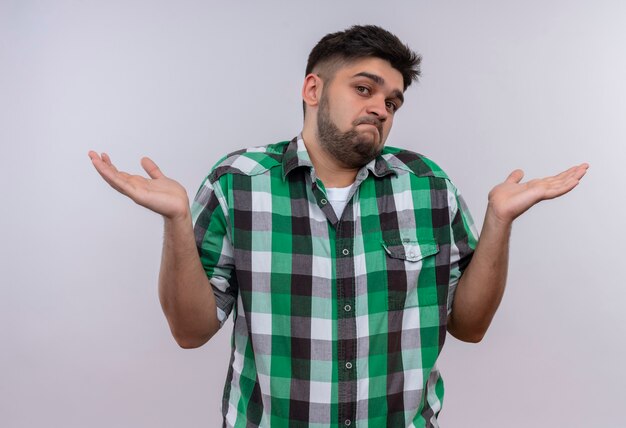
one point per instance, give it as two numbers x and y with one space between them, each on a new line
337 321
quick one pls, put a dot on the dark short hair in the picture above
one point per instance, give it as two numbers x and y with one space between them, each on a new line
361 41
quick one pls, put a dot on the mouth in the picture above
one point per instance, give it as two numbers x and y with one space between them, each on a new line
370 127
370 122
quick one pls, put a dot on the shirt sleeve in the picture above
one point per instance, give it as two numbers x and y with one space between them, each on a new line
212 233
463 240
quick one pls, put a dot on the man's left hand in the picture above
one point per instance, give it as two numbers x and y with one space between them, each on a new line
510 199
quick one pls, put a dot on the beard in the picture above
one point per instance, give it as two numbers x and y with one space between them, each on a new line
353 149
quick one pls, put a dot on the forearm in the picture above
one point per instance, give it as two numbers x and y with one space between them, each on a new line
184 291
482 284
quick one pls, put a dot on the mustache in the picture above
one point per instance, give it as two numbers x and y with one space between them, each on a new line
370 121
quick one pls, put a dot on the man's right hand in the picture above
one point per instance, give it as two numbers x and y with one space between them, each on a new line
184 291
158 193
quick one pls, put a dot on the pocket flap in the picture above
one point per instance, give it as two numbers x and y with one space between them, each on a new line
412 251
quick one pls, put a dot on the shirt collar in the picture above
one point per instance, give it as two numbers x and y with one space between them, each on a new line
296 156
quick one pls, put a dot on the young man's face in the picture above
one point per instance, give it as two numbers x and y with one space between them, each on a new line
357 108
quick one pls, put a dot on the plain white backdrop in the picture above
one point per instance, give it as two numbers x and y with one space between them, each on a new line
536 84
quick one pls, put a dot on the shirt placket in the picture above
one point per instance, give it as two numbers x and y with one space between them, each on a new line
346 322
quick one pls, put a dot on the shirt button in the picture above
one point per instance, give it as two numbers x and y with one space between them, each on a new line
411 254
323 201
345 251
347 308
348 365
347 422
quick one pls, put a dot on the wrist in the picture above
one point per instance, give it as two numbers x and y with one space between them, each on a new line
496 219
181 217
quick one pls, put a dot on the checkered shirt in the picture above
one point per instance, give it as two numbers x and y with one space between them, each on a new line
337 321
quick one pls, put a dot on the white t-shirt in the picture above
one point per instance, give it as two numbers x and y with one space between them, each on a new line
338 198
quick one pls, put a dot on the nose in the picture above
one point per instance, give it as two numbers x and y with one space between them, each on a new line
377 106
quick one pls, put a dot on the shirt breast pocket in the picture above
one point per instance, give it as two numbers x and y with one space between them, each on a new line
411 273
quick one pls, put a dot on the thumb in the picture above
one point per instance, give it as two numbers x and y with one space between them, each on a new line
515 177
151 168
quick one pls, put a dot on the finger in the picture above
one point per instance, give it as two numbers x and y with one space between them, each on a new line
106 158
116 179
101 164
515 177
554 192
564 185
98 163
575 171
581 170
564 175
93 155
568 179
151 168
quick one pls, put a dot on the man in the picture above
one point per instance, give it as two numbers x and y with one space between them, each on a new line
344 262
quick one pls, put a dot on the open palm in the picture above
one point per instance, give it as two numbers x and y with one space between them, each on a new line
512 198
157 193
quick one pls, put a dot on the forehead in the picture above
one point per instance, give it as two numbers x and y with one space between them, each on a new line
373 66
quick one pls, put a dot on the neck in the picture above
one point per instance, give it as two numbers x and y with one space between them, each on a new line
327 168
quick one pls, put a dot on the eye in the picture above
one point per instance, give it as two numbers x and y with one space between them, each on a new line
391 106
363 90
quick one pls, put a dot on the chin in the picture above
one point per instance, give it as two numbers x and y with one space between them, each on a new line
369 138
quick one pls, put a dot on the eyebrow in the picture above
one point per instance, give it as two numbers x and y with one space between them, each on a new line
380 81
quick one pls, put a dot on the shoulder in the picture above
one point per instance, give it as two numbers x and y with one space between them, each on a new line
402 160
250 161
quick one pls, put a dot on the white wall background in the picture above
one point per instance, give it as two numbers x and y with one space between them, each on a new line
534 84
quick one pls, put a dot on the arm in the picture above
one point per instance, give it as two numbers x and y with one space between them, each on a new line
184 290
481 286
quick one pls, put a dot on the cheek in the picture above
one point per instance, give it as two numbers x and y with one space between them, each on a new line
345 121
339 115
387 126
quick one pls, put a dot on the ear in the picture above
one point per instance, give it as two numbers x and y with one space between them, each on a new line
312 89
